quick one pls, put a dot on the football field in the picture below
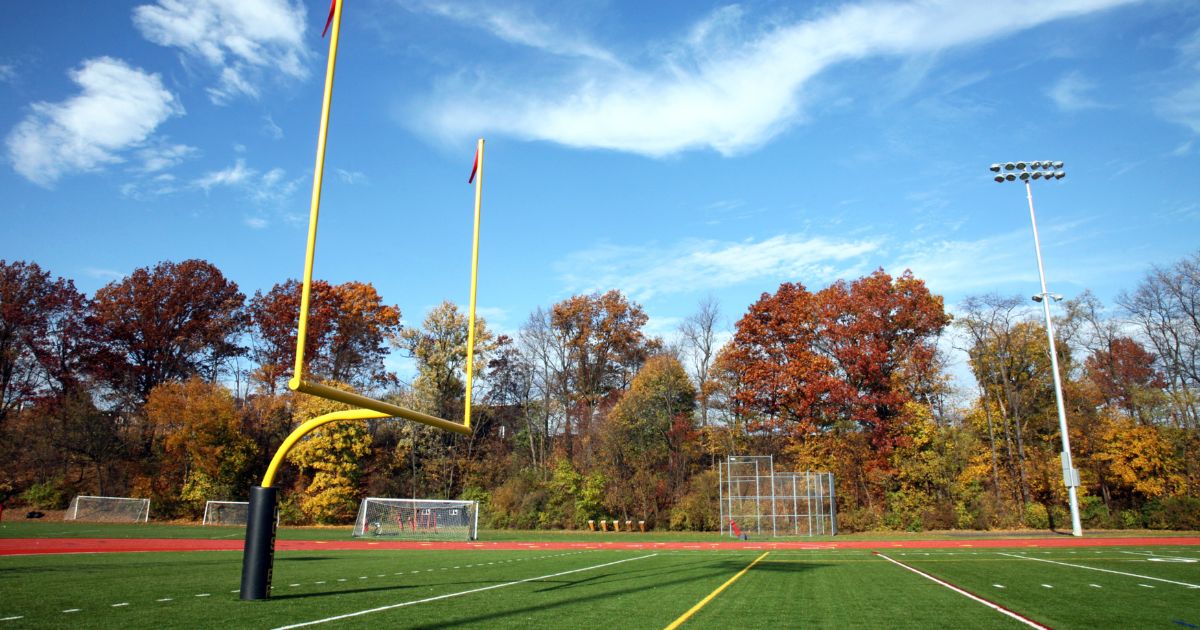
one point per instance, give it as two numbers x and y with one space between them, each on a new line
552 586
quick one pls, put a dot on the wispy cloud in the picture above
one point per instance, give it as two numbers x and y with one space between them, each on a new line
143 189
725 85
8 72
118 108
351 177
232 176
163 156
271 187
241 41
1183 104
516 26
1072 92
103 274
255 223
272 130
644 271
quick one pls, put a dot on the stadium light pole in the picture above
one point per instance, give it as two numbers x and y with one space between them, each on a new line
1028 172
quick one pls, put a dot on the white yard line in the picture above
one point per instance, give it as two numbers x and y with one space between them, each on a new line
1152 556
458 594
994 606
1081 566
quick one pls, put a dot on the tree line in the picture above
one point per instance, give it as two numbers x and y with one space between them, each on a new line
171 384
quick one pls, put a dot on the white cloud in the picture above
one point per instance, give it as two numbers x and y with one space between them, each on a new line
103 274
157 186
517 26
164 156
8 72
351 177
255 223
233 176
1183 105
699 265
242 41
118 108
273 131
1071 92
719 88
270 187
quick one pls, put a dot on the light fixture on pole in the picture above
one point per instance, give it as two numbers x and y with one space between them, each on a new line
1026 172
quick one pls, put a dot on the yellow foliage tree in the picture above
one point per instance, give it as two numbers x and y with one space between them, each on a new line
1138 458
204 447
333 455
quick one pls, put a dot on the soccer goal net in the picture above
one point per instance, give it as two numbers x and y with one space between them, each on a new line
226 513
417 519
113 509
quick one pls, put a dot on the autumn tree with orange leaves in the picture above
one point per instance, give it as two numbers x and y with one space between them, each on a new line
845 359
349 328
604 345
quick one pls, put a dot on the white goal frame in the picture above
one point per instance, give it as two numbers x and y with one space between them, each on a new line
417 519
142 516
215 513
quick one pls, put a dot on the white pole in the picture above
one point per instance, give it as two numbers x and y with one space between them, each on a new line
720 499
1068 467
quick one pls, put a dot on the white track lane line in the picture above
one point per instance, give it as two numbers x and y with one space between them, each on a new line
1081 566
994 606
460 593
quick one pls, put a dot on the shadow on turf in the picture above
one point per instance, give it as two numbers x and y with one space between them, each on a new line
375 589
718 569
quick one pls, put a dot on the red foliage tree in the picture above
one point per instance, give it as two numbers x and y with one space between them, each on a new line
1123 373
165 323
44 343
850 355
348 330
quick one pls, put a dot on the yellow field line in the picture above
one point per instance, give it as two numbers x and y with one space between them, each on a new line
687 615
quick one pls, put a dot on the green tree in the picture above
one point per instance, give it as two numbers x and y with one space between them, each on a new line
650 440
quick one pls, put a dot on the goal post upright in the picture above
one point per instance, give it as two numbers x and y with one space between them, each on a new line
259 550
477 174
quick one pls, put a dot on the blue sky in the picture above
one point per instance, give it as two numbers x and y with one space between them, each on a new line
672 150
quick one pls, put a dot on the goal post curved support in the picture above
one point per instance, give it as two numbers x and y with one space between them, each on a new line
258 557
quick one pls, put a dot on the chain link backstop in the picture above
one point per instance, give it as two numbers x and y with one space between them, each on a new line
757 500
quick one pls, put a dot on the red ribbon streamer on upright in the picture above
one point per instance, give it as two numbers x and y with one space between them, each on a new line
329 20
474 166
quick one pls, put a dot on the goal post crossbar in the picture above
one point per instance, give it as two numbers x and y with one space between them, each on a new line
126 509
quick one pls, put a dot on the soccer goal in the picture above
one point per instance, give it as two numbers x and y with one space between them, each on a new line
226 513
112 509
418 519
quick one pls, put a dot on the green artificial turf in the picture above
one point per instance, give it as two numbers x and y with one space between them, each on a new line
572 589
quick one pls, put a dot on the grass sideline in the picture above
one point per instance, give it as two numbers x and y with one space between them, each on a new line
602 588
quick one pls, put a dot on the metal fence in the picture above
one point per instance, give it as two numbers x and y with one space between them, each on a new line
757 500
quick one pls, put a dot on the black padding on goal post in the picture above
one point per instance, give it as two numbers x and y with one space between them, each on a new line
259 557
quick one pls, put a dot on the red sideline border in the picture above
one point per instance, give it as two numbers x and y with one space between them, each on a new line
38 546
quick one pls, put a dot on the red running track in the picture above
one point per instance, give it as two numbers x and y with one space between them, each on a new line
36 546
